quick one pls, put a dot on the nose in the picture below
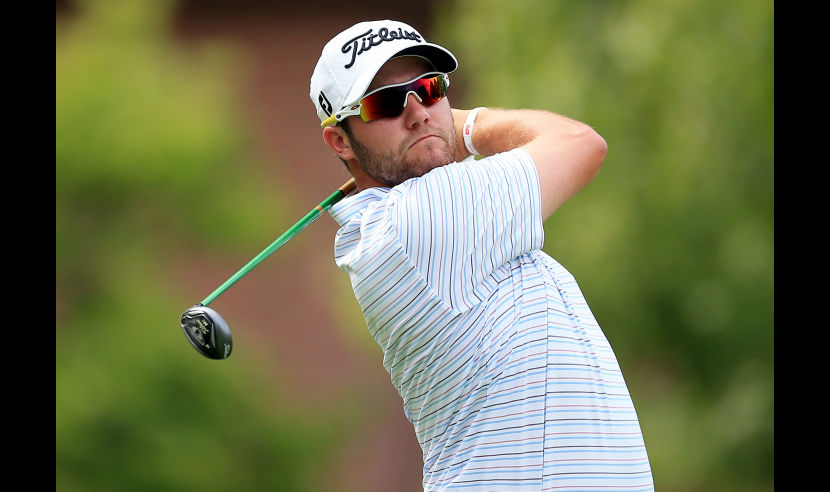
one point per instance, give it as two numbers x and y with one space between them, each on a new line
414 111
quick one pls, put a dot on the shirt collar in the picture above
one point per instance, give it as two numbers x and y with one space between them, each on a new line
347 208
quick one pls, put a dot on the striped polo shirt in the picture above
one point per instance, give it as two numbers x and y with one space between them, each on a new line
504 373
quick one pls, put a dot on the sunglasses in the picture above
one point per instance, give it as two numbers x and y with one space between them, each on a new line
390 100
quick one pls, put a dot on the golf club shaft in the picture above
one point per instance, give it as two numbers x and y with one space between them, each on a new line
310 217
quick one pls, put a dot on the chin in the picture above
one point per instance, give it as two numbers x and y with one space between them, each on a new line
433 157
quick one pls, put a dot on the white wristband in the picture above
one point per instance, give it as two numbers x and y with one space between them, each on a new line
467 131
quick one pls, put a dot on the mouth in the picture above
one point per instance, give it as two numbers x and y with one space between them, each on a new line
423 139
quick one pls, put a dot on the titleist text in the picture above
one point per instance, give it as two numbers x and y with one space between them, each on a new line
365 41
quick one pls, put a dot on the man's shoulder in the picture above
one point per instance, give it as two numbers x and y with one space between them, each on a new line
352 207
443 185
473 167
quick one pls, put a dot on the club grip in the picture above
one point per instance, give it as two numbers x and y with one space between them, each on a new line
348 187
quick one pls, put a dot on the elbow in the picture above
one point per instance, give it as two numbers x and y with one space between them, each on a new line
601 147
595 149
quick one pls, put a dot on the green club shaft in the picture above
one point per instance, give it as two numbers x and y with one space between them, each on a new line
310 217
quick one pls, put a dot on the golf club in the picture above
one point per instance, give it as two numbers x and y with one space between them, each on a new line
205 328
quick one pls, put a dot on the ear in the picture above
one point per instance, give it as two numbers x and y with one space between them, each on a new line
337 140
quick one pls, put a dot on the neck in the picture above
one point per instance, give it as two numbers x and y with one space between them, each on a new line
362 179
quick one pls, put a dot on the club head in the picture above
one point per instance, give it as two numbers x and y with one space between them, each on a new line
207 332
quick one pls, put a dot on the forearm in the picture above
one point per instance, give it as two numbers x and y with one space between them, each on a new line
499 130
567 153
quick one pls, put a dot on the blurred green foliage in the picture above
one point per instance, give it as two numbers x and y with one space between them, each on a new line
672 244
149 154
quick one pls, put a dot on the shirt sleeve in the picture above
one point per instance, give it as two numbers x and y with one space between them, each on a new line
461 222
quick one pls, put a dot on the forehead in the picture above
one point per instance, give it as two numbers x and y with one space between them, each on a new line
399 70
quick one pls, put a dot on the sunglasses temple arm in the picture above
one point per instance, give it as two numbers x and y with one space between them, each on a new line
331 120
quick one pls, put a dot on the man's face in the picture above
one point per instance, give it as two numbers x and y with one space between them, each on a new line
392 150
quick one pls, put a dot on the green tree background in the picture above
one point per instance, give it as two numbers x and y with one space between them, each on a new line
672 244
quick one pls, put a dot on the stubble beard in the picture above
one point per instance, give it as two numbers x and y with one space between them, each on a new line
393 167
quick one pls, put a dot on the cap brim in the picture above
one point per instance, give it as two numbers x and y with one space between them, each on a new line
441 59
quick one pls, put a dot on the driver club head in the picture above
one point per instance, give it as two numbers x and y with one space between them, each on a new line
207 332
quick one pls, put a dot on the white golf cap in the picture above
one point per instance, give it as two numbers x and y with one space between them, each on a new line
351 60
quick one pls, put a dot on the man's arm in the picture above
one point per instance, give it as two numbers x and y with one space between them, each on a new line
567 153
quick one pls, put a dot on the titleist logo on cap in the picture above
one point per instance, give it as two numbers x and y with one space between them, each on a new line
367 40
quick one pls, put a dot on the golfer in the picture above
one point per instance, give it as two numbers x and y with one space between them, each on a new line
506 376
